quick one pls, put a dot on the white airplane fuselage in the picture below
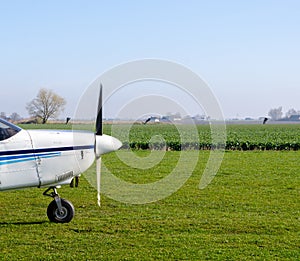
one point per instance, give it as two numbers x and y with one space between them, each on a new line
38 158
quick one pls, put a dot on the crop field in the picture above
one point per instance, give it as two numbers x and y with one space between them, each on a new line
239 137
184 137
250 211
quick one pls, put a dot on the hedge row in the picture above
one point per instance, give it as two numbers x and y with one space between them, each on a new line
230 145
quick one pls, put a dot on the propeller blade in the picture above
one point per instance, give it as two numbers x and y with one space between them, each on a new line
94 137
103 144
99 125
98 173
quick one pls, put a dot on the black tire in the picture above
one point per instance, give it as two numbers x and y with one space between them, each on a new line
65 216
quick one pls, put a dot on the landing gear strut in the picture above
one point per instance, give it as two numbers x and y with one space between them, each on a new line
59 210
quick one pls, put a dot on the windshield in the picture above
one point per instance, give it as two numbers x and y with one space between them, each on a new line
7 129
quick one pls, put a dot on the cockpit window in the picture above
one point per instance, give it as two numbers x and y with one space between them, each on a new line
7 129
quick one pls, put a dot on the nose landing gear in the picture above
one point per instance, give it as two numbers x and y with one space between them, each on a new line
59 210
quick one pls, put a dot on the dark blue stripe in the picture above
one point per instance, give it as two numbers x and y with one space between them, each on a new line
22 156
32 151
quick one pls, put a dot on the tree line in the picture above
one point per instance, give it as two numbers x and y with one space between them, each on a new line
47 104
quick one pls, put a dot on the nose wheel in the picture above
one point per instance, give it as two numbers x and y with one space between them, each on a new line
59 210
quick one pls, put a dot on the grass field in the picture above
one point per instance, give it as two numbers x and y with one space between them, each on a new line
250 211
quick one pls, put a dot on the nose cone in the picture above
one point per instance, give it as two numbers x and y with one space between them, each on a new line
106 144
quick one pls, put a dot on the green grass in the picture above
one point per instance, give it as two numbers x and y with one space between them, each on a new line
251 211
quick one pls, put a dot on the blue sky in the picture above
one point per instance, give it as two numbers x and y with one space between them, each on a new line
247 51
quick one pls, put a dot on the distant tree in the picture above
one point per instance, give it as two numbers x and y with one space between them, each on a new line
276 113
3 115
47 104
172 116
15 117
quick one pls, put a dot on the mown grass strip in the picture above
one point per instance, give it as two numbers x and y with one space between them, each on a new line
249 211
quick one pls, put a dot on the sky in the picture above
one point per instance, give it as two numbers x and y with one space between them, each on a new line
248 52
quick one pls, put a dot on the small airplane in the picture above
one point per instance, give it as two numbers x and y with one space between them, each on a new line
51 158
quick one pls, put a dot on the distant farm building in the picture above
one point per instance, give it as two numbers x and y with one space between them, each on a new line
295 117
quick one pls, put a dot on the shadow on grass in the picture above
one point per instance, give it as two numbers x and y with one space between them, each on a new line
21 223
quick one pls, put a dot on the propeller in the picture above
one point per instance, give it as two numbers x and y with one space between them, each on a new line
103 143
99 120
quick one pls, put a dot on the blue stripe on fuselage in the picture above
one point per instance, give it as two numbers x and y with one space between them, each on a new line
15 156
22 158
35 151
41 155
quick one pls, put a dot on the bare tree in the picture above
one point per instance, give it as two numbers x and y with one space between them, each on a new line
3 115
276 113
47 104
15 117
